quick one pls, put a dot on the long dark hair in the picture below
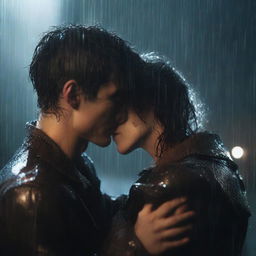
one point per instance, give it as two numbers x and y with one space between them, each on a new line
163 90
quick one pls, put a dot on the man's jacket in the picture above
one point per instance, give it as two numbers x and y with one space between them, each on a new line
50 205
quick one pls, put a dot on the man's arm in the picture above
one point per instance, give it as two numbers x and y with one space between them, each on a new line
164 228
155 230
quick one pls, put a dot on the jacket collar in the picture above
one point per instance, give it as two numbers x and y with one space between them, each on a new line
203 144
42 147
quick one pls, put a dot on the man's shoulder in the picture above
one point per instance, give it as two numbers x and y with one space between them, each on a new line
27 177
18 170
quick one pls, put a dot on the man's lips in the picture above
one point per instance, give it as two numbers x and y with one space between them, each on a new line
110 131
115 134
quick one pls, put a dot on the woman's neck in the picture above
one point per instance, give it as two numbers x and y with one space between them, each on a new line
150 144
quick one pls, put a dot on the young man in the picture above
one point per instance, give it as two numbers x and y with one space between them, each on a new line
50 198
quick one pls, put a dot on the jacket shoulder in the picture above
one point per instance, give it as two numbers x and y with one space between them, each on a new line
32 196
195 168
209 175
183 174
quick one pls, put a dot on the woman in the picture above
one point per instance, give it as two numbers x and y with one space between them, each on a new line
162 120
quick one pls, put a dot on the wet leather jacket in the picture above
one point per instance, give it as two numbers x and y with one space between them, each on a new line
200 169
50 205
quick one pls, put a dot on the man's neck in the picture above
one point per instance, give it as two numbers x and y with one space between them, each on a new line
61 132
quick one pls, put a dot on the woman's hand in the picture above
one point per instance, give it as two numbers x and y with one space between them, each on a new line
164 228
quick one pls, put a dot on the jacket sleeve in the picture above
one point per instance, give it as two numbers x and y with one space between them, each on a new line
35 222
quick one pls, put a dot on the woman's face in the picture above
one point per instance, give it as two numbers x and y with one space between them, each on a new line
135 133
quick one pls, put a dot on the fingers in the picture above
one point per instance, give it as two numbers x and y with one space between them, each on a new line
166 208
158 231
174 232
146 209
174 244
181 209
175 220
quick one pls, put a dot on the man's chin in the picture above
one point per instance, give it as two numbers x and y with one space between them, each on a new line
102 143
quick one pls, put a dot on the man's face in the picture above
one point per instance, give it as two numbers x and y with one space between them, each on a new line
94 120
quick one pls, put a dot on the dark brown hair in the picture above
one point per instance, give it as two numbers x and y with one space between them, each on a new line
91 56
164 91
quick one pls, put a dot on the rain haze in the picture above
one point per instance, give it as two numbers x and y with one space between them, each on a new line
212 43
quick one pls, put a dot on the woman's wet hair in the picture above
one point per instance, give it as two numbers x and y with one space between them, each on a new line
164 91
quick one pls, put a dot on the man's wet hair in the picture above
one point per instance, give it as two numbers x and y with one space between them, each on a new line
90 55
164 91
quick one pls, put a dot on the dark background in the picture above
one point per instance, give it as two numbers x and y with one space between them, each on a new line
212 42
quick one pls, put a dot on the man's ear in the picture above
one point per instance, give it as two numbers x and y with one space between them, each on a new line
70 93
